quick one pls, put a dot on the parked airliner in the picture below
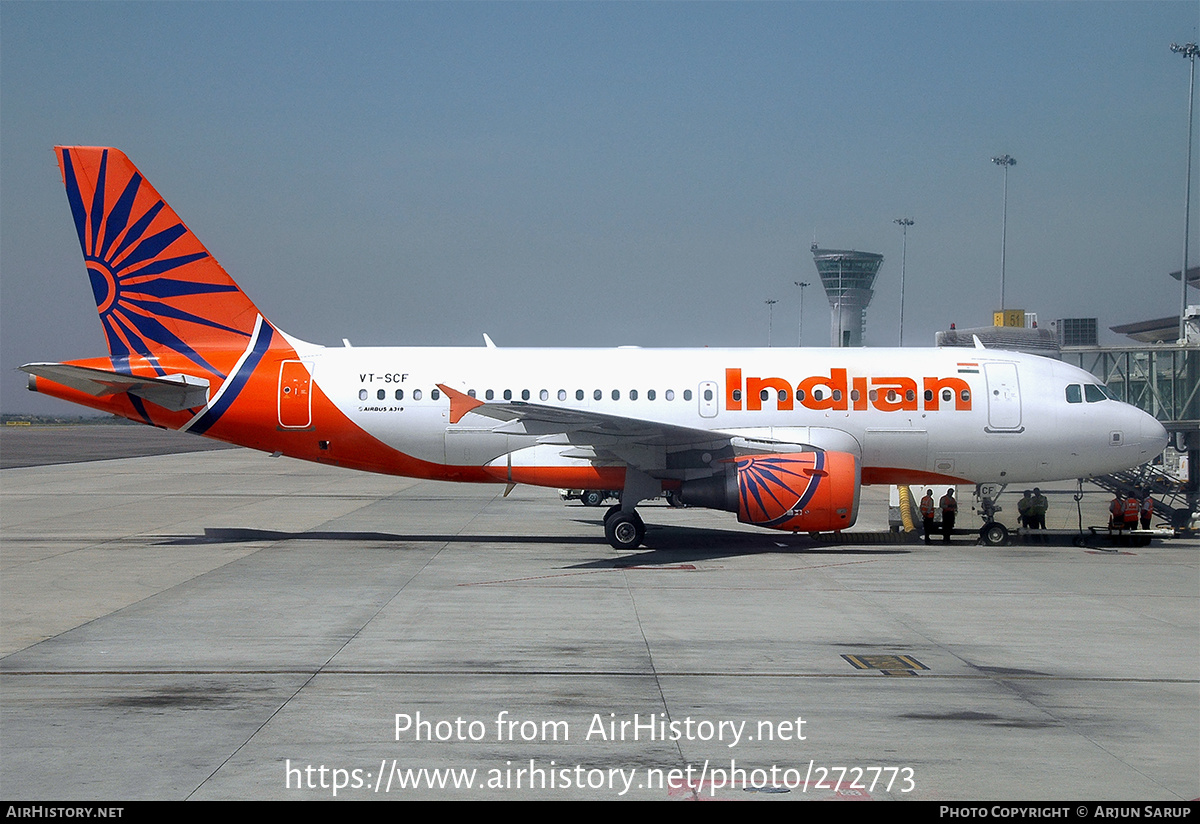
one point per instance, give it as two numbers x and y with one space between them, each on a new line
785 438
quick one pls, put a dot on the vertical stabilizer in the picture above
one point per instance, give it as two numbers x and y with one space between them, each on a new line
161 296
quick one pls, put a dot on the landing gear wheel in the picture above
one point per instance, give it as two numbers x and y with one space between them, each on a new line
592 497
624 530
994 534
612 510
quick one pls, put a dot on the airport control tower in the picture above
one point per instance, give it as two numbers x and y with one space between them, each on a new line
848 277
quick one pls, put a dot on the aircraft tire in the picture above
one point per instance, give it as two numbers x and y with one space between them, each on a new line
624 530
592 497
994 534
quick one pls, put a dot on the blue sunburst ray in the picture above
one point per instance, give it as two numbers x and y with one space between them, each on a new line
97 216
125 331
150 329
152 247
158 267
118 218
157 308
138 229
75 197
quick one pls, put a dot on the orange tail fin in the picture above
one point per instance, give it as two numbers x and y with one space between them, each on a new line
160 294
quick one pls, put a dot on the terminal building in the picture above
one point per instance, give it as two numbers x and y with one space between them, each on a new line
849 279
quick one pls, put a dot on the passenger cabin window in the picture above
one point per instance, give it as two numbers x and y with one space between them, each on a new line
687 394
416 394
650 394
362 394
435 394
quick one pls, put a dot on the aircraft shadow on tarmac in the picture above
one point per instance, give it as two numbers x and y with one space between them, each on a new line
663 544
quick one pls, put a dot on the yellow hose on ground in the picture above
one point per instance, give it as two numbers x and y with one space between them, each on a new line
906 508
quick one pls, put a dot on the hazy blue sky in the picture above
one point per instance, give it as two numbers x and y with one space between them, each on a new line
601 174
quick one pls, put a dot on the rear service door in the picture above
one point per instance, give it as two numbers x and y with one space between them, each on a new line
295 394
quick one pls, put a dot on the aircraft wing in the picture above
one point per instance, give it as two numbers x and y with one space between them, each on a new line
174 392
659 448
525 418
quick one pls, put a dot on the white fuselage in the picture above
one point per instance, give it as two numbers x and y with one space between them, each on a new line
1016 424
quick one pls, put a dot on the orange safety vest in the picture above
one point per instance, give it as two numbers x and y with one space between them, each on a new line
1131 508
927 507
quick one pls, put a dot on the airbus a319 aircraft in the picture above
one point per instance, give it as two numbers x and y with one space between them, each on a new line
785 438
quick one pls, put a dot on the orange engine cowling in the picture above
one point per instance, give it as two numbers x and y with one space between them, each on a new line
795 491
799 492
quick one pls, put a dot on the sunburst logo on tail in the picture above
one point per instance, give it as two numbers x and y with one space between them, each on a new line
153 281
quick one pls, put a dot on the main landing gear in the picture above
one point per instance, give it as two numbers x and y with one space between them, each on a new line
624 530
623 527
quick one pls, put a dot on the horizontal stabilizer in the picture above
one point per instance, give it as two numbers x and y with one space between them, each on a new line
173 392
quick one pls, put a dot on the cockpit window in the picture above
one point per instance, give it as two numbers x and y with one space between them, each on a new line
1093 393
1074 393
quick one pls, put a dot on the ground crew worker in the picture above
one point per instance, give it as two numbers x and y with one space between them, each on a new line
927 510
1132 509
1147 509
1116 513
949 510
1023 509
1037 510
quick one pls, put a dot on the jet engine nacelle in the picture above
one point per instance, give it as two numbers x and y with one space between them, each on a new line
797 492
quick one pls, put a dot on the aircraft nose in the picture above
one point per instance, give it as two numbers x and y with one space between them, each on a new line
1153 434
1152 437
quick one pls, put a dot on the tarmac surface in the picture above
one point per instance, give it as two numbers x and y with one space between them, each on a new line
223 625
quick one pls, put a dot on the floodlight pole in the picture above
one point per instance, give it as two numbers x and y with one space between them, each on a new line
800 331
1189 52
1005 161
904 223
770 317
